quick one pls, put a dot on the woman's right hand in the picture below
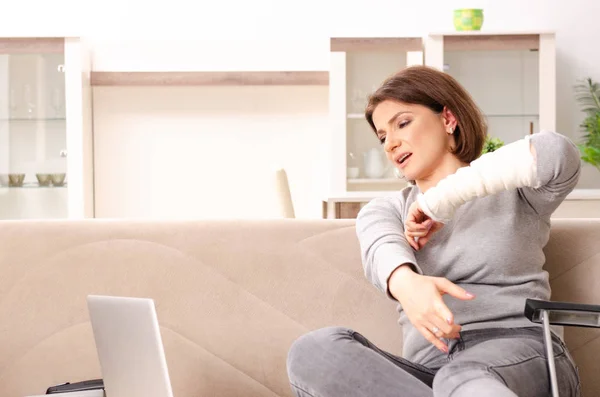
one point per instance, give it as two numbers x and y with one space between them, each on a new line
421 300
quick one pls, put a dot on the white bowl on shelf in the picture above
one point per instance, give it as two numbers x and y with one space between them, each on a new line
353 172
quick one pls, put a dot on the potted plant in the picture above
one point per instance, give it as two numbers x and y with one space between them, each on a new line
588 95
491 144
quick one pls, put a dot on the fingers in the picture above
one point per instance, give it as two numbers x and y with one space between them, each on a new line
414 226
424 240
417 226
423 230
435 335
434 340
448 287
429 314
416 214
454 334
412 242
440 327
419 230
444 315
421 233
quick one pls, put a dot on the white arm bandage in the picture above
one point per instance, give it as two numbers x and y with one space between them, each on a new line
510 167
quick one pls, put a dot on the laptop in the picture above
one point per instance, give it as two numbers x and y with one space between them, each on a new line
129 345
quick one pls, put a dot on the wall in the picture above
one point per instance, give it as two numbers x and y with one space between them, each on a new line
578 209
276 35
207 152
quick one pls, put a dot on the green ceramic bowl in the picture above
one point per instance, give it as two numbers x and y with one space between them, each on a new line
468 19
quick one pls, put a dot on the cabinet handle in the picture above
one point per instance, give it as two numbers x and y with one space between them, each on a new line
61 68
63 153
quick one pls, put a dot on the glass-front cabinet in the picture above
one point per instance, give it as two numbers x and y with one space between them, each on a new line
45 129
358 67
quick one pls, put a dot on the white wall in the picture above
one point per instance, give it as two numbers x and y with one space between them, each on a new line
280 35
578 209
207 152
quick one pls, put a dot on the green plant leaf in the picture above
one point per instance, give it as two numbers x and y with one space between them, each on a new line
588 95
491 144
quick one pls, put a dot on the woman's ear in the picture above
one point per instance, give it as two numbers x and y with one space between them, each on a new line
449 120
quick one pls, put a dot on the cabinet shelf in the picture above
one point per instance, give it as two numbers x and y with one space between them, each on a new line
25 120
368 181
206 78
356 116
512 115
33 186
375 44
361 116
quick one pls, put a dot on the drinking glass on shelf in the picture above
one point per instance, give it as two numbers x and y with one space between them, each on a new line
353 171
13 103
359 100
29 102
57 102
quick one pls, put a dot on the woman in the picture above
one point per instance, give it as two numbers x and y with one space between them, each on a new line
460 250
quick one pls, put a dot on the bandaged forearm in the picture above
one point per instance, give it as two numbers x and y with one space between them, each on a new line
510 167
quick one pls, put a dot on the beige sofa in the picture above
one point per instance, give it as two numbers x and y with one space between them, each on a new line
231 296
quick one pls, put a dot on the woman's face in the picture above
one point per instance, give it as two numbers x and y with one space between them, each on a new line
415 139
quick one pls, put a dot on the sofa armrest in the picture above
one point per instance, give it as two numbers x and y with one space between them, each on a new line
563 313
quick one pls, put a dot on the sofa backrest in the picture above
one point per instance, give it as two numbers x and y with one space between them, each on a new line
573 262
231 296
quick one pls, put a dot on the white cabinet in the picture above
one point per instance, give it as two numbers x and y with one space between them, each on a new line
358 67
46 168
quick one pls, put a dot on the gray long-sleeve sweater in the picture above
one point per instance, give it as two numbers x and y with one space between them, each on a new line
492 247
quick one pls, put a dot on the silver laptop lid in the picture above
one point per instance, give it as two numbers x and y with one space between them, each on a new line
129 347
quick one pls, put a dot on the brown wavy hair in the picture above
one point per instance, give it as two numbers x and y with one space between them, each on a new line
426 86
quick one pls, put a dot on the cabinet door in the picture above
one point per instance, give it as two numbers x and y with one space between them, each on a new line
36 175
504 84
360 66
33 166
78 95
510 76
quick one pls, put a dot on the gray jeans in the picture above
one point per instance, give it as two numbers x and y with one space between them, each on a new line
339 362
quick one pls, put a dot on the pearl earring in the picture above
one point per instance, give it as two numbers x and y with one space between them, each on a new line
451 131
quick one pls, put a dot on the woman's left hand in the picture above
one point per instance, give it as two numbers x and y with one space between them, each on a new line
418 224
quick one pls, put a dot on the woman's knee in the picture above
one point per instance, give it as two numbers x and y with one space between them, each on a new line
307 351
